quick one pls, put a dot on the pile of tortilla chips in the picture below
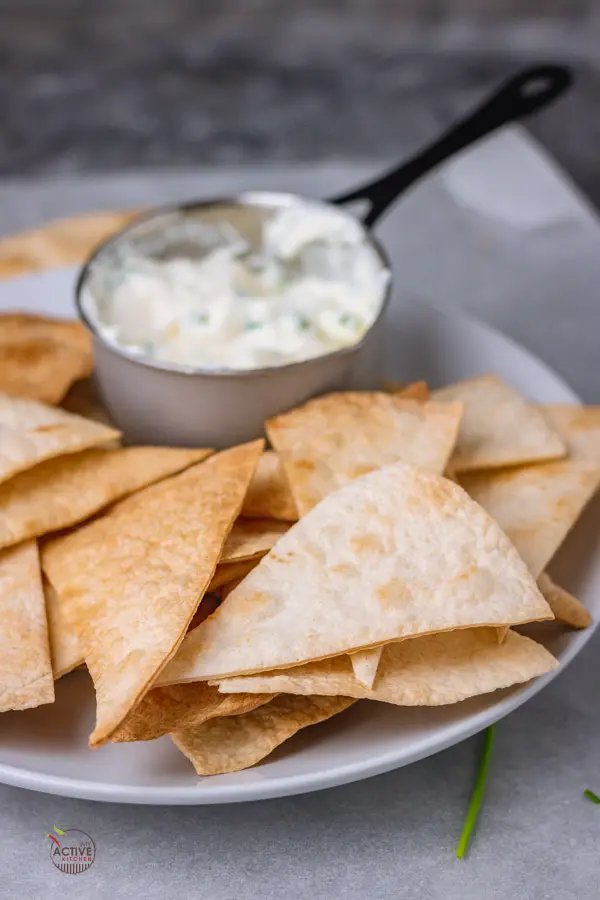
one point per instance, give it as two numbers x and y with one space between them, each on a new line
386 548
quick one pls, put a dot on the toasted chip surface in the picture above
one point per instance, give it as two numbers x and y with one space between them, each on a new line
331 440
237 742
251 538
65 651
499 427
59 243
269 495
538 505
226 573
63 491
397 553
416 390
41 357
31 432
434 670
566 608
131 580
25 668
183 706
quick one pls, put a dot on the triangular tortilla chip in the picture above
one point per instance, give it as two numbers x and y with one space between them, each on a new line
84 399
25 668
41 357
19 326
66 490
31 432
331 440
538 505
130 581
566 608
428 671
182 706
65 651
238 742
60 243
269 495
499 428
40 369
397 553
416 390
579 426
365 664
251 538
226 573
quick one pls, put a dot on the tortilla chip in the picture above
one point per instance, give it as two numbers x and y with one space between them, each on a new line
226 573
416 390
40 369
182 706
395 554
538 505
66 490
130 581
251 539
331 440
41 357
25 668
60 243
65 651
238 742
84 399
428 671
565 606
269 495
579 426
499 428
365 664
31 432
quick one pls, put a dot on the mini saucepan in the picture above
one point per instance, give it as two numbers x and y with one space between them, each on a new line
164 403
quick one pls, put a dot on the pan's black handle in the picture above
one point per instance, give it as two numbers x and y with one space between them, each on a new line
518 97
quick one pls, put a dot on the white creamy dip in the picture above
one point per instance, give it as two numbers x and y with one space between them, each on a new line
313 287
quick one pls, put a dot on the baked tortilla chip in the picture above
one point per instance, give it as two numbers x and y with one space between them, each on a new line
251 539
365 664
226 573
84 399
238 742
60 243
41 357
566 608
65 651
397 553
413 390
130 581
269 495
331 440
66 490
25 668
182 706
31 432
538 505
499 428
428 671
416 390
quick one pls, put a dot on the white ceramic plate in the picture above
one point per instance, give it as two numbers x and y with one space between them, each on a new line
46 749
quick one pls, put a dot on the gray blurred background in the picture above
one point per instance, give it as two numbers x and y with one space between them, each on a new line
105 85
